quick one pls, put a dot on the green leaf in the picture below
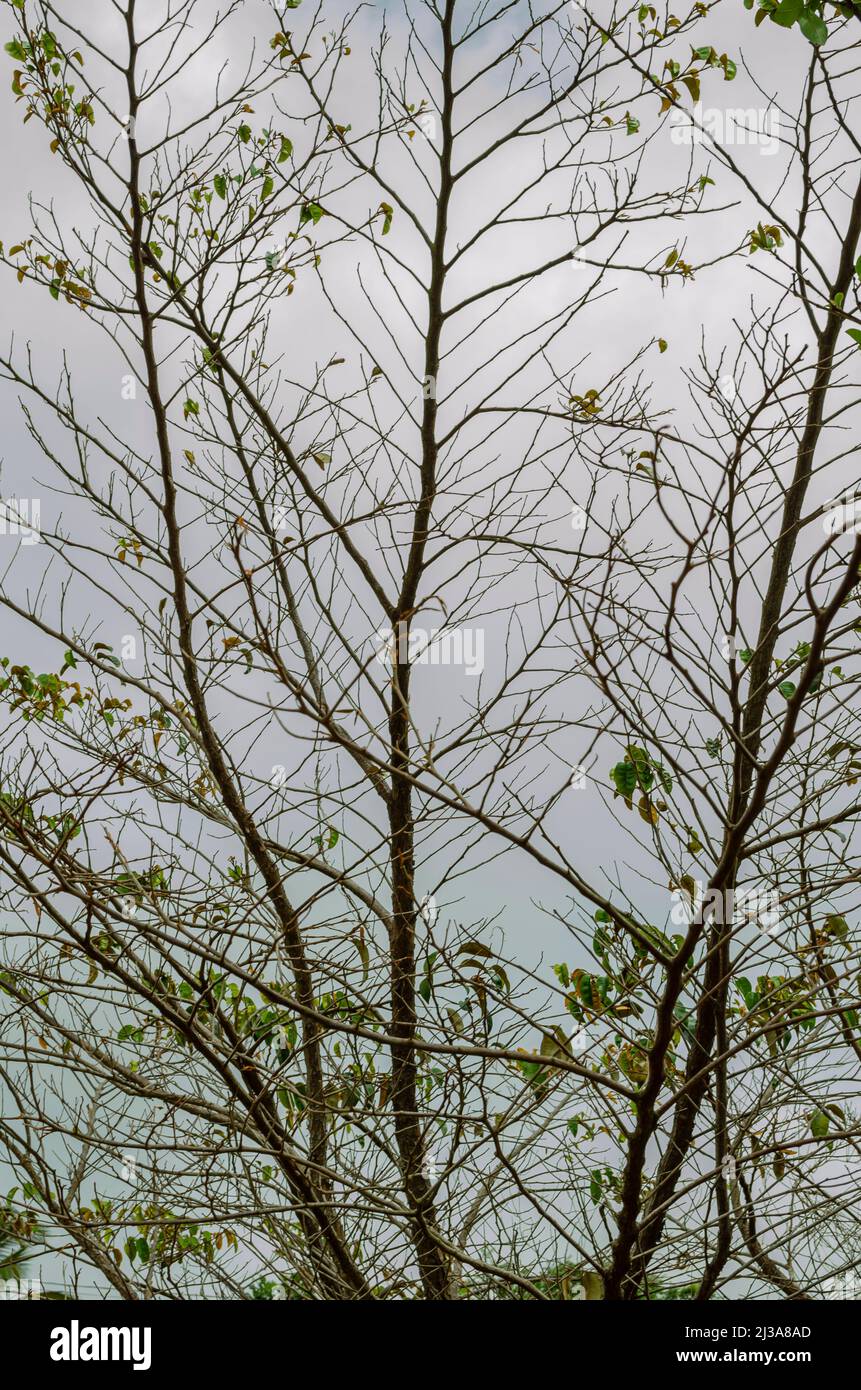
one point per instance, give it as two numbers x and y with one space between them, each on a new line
643 766
16 50
220 185
244 133
745 989
855 335
658 939
787 689
500 976
388 213
364 956
837 926
268 185
814 29
311 212
625 779
787 12
286 149
819 1123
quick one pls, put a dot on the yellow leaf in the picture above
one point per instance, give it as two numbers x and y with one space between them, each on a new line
689 885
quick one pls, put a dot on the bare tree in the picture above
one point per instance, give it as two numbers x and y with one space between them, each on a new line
430 588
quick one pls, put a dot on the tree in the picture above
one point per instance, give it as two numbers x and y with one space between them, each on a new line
419 548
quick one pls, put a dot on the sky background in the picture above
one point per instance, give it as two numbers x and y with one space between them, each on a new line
714 308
